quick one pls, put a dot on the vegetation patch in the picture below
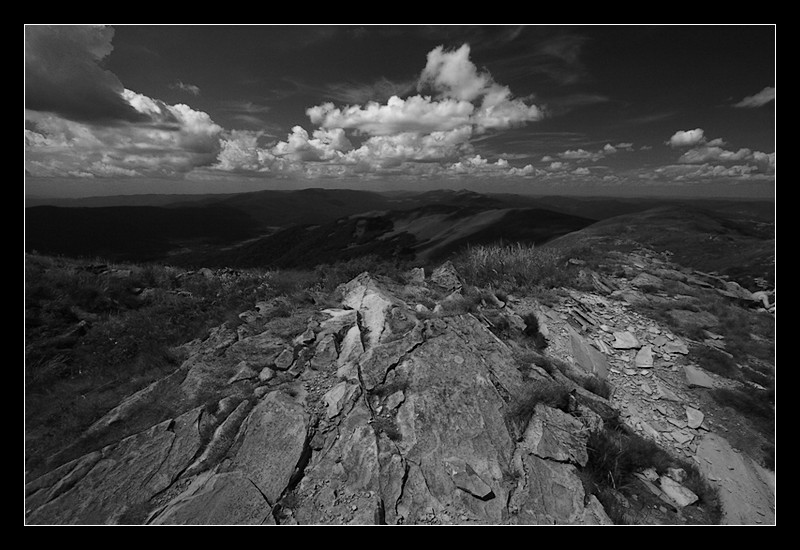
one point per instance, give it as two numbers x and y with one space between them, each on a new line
546 392
714 361
616 453
513 267
755 405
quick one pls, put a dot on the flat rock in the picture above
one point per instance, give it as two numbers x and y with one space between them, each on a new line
273 440
325 353
219 499
556 435
126 474
676 346
243 372
696 378
625 340
678 493
337 397
340 320
554 495
587 357
694 417
465 478
644 358
284 360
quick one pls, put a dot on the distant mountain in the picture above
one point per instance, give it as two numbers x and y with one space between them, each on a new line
423 234
310 226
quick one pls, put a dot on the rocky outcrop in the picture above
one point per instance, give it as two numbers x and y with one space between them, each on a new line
377 411
369 416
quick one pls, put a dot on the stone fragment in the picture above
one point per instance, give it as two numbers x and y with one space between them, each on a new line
644 358
243 372
676 346
625 340
325 353
395 400
284 360
587 357
696 378
467 480
694 417
678 493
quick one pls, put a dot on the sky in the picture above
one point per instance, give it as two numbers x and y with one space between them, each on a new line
595 110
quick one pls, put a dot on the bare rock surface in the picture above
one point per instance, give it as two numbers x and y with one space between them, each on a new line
377 412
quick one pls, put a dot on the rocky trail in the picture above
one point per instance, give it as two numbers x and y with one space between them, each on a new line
381 411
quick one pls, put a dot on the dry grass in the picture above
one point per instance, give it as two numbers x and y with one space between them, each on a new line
512 267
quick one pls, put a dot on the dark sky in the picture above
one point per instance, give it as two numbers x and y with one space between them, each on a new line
594 110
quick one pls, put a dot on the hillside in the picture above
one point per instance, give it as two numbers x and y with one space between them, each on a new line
424 234
608 376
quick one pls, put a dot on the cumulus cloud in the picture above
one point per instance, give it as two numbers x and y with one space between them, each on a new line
417 129
82 121
452 74
760 99
686 138
177 139
582 155
63 74
712 153
415 114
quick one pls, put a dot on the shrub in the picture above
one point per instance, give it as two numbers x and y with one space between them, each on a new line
532 330
517 266
597 387
616 454
546 392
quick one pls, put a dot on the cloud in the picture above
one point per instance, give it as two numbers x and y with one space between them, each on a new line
686 138
380 90
81 120
701 151
760 99
415 114
453 75
188 88
63 74
176 140
582 155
